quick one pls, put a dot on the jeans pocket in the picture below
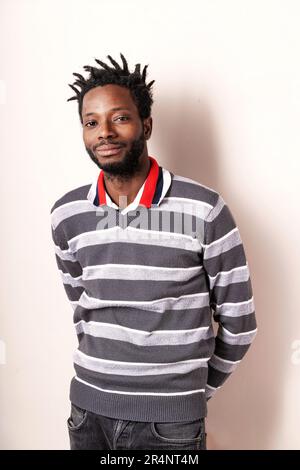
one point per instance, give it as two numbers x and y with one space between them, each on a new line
180 432
77 419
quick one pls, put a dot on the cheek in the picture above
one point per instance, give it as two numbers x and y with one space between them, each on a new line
86 139
135 134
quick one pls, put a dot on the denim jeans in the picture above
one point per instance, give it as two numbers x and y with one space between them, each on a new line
90 431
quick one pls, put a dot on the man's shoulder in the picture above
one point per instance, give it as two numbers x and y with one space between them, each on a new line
192 189
75 194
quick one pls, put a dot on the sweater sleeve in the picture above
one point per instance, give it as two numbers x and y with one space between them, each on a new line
69 268
231 296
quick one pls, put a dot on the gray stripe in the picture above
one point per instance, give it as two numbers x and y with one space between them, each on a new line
231 352
74 293
149 383
227 260
160 256
140 394
193 190
238 324
131 317
144 290
71 267
72 195
216 377
117 350
233 293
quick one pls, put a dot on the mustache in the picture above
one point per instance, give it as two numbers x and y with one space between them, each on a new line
119 144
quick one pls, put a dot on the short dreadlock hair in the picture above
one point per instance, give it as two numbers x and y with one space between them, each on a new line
135 81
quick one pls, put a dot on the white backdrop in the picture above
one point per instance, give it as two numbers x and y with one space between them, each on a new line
226 113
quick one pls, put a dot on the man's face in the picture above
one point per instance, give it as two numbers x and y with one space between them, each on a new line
113 132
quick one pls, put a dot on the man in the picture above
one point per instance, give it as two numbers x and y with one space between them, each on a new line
147 258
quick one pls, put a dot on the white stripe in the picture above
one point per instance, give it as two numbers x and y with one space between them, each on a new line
225 360
106 366
237 339
223 365
131 272
235 309
234 304
139 272
72 281
69 209
219 240
183 302
238 334
184 179
66 255
212 388
184 205
226 243
216 210
210 391
143 338
224 278
134 235
118 392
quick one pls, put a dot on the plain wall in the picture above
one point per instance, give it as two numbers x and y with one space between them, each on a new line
226 113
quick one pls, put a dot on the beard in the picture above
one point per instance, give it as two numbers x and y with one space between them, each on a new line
128 166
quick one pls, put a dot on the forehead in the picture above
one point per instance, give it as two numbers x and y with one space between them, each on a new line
102 99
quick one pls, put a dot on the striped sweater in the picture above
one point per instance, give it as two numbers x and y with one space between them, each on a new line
145 283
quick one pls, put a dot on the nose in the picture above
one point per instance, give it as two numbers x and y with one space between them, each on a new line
106 130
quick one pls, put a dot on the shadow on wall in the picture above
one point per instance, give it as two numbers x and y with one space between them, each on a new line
245 411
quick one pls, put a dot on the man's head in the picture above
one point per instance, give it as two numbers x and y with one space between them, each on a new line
115 112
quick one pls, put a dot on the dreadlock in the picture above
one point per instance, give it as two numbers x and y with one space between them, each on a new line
134 81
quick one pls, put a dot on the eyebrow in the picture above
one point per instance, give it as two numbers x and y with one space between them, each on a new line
112 109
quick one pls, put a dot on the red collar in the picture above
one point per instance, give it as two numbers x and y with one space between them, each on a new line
149 188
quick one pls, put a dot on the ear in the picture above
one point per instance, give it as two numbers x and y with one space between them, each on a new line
147 124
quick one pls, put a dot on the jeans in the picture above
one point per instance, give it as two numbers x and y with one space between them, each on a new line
90 431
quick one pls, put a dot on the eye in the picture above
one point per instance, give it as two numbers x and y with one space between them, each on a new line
122 118
89 122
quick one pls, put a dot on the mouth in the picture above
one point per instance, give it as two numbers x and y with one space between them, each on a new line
108 150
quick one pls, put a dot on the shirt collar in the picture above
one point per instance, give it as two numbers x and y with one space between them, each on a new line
151 192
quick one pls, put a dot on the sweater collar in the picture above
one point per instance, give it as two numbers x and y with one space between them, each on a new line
151 192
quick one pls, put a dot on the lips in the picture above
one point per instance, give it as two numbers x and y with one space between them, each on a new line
108 150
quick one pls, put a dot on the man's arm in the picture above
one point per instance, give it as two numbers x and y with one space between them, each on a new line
231 296
69 268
